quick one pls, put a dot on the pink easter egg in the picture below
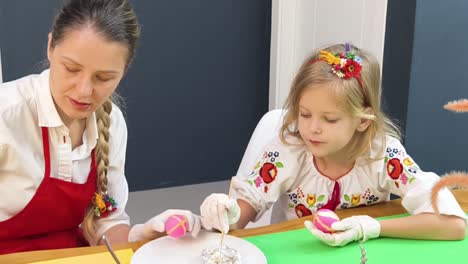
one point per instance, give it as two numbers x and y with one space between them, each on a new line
323 219
176 226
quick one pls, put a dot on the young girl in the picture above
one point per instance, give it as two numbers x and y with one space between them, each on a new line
63 142
336 149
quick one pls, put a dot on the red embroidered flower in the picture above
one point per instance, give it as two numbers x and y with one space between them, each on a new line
351 69
394 168
268 172
301 210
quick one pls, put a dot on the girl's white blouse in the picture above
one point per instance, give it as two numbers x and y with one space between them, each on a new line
285 177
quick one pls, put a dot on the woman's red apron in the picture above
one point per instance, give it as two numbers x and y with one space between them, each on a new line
51 219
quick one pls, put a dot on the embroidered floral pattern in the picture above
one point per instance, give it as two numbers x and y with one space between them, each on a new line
357 199
347 202
311 199
400 167
266 170
304 205
258 181
369 198
302 210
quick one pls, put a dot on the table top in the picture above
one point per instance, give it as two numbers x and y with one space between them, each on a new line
378 210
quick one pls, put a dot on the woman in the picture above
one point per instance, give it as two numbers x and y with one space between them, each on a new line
63 141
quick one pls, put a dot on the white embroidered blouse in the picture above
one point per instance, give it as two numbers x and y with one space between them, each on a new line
285 176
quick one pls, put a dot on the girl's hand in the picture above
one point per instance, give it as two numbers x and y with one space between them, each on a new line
218 211
155 225
354 228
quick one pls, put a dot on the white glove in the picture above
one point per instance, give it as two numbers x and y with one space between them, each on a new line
353 228
218 211
156 224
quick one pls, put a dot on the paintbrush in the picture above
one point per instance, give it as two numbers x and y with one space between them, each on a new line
222 232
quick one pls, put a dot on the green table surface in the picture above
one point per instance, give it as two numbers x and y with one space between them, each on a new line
299 246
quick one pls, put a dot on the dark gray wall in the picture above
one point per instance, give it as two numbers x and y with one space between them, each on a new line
435 137
24 25
398 54
196 90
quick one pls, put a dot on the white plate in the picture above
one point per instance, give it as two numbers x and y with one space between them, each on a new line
188 249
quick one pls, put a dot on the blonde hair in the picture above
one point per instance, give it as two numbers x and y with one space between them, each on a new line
354 98
102 163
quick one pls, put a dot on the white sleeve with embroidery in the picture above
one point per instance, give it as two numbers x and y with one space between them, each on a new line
273 174
403 177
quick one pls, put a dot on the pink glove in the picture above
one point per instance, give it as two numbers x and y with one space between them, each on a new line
149 230
218 211
354 228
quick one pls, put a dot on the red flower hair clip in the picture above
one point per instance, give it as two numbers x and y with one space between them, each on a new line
104 205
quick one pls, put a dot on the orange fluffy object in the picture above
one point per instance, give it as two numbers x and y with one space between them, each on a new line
458 106
450 179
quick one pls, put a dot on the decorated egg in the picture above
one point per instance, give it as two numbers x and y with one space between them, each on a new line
323 219
176 226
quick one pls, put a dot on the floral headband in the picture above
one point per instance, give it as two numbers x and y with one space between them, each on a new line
104 205
344 65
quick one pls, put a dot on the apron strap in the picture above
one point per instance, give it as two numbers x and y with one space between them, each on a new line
45 147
